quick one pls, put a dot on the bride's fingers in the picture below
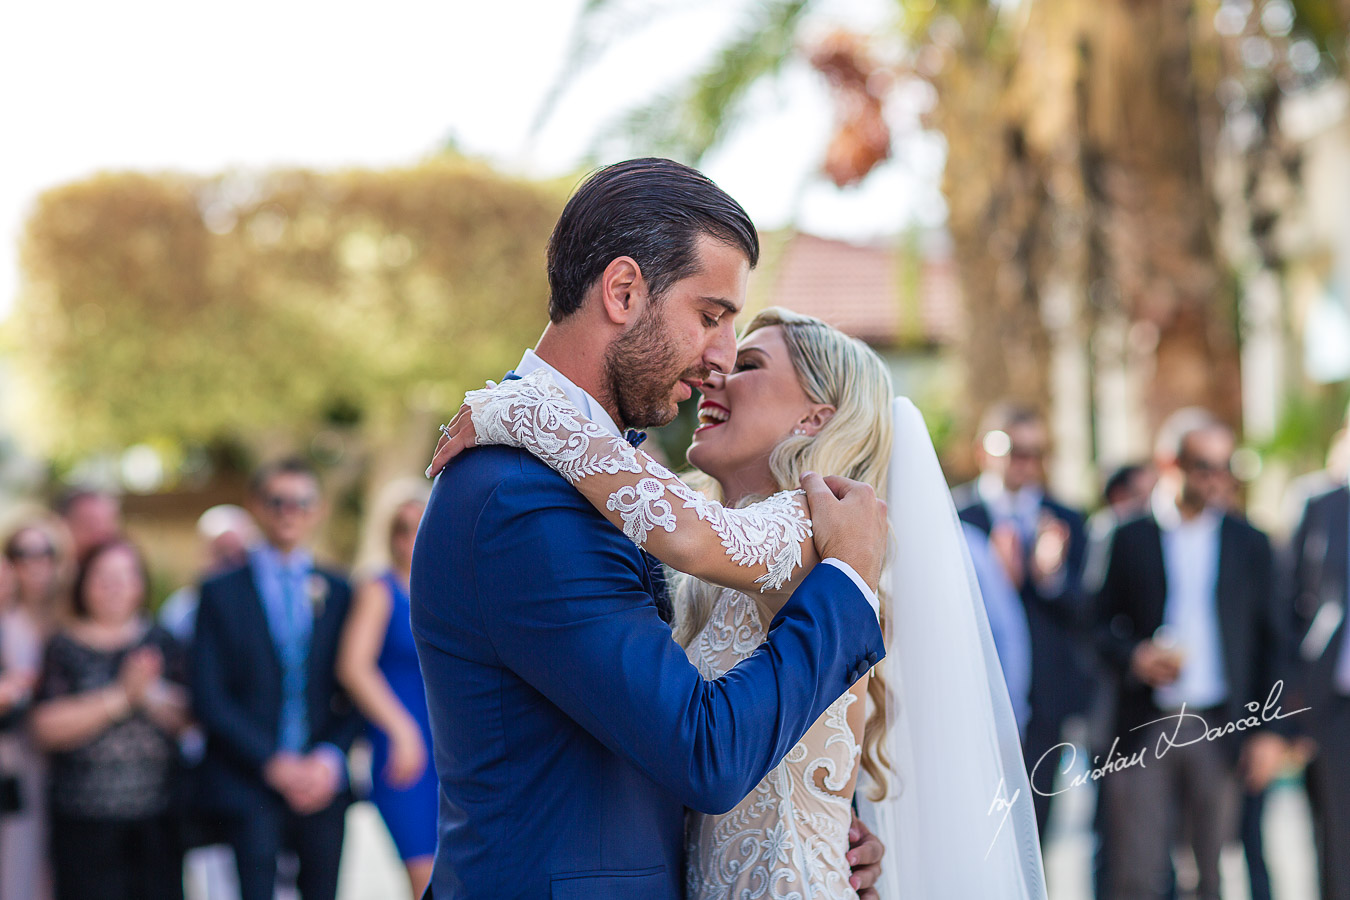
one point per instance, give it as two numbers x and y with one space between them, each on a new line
448 448
452 440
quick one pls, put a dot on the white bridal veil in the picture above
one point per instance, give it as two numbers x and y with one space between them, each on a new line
958 819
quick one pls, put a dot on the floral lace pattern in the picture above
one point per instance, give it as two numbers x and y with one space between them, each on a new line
533 413
787 839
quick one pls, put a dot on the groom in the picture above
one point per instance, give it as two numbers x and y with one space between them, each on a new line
570 730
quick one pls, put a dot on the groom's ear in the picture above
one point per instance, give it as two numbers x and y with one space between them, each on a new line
623 290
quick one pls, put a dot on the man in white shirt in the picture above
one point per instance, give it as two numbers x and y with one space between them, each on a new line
1188 622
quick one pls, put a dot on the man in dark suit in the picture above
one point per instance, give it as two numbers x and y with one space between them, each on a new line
277 724
570 730
1042 545
1188 622
1319 591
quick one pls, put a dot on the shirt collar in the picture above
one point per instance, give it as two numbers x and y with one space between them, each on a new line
299 559
1165 510
990 488
589 406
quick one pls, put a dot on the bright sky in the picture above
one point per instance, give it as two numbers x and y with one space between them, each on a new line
162 84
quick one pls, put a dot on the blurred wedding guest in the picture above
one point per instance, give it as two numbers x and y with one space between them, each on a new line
278 725
25 625
1041 545
92 517
1222 494
1007 623
110 703
1128 488
227 532
1188 617
377 663
1319 593
1125 495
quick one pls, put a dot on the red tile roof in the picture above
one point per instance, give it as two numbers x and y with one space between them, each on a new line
867 290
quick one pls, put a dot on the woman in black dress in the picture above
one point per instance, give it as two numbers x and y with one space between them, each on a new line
110 703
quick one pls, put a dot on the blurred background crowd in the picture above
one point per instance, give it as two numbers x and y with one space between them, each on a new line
1105 247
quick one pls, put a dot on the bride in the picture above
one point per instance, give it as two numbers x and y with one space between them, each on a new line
926 740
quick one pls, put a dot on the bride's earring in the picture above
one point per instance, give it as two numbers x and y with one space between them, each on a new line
799 430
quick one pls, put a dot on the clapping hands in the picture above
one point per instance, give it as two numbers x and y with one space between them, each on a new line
141 669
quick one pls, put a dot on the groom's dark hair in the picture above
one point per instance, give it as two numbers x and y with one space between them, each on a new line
652 210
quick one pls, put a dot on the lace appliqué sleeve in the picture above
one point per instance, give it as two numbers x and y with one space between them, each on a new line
533 413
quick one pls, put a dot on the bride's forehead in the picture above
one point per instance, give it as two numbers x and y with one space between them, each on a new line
766 340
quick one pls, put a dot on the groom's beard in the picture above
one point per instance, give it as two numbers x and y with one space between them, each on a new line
639 366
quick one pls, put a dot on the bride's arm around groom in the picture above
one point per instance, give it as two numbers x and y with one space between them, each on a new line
569 725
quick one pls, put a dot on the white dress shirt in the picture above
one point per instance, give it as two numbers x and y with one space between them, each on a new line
1022 508
591 409
1190 611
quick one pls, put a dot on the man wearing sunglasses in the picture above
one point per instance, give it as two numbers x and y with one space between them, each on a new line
1042 546
277 723
1188 621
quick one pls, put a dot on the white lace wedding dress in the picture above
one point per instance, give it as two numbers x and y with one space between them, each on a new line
788 838
948 710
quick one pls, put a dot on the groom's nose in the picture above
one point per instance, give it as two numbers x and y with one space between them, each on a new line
721 353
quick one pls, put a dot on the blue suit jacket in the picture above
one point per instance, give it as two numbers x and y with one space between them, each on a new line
1060 624
570 730
235 675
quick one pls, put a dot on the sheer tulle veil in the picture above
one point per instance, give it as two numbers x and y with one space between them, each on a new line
958 819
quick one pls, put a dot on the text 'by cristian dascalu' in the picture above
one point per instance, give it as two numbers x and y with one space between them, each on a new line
1260 714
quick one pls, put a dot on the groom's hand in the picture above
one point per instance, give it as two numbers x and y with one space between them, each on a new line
864 857
849 523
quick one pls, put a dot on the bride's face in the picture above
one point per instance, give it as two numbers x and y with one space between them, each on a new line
743 415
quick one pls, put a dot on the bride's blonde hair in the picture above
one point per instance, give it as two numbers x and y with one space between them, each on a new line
844 373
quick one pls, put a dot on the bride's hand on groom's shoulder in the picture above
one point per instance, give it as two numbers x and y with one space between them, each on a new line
849 523
456 437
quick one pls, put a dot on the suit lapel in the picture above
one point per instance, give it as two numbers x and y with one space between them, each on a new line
1336 574
1335 581
263 625
973 509
1228 597
321 613
1154 568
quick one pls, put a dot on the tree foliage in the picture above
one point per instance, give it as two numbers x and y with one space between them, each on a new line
1082 141
183 310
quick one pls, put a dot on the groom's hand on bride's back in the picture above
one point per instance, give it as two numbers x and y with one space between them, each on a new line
849 523
865 851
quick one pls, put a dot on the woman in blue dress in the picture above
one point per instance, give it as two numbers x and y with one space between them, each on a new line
377 664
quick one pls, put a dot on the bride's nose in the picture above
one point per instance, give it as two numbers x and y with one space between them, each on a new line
715 382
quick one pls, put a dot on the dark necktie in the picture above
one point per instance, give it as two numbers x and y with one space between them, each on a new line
656 574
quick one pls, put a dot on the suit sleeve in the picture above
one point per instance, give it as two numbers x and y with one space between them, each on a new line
566 610
1062 593
225 723
1272 630
1114 633
1292 609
